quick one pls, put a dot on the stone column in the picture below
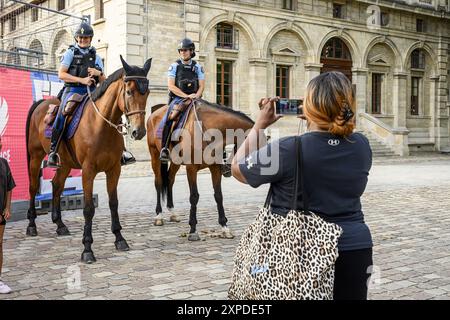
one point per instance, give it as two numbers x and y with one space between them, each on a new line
311 70
134 36
258 83
135 53
399 100
434 110
359 79
192 21
442 126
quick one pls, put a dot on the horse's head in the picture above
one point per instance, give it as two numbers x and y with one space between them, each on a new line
135 93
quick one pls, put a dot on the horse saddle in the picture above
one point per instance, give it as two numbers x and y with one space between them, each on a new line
71 105
179 108
51 114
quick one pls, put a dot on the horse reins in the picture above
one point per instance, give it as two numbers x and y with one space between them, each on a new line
121 126
195 113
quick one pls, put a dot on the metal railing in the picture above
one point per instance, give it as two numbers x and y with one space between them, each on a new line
35 36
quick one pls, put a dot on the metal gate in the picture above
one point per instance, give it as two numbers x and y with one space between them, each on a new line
35 34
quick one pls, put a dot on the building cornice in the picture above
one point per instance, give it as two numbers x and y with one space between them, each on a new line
299 17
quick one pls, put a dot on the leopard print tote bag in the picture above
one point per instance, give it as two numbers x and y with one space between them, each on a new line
286 258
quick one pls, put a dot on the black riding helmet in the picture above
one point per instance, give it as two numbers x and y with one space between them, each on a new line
84 30
187 44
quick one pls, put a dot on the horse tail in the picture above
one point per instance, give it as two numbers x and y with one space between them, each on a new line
27 130
165 180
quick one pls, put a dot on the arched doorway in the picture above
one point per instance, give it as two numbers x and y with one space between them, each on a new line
35 56
336 56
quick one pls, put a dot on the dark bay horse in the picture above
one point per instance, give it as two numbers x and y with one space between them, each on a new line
201 119
96 147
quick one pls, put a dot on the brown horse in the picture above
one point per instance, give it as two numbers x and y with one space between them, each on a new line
96 147
203 117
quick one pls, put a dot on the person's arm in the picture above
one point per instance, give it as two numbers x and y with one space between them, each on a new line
98 70
201 88
93 72
67 77
7 211
10 185
174 89
256 139
201 82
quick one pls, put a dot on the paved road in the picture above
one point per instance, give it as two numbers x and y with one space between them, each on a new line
406 206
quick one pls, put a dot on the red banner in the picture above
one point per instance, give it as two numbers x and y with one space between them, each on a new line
16 97
18 90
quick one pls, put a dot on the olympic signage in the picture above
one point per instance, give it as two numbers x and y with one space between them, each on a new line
18 90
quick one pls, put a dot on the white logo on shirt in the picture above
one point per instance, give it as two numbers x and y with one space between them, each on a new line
333 142
250 164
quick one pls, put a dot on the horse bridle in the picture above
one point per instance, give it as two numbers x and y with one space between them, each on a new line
132 78
120 127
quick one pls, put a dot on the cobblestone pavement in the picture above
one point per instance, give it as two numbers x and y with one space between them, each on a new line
406 206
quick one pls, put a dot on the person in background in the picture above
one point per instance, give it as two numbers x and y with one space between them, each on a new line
6 186
81 67
337 162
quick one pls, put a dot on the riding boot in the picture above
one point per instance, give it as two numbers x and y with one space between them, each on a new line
127 158
164 155
53 156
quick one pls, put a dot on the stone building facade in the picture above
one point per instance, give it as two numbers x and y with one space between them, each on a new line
397 54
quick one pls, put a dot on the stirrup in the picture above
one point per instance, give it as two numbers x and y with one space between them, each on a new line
226 169
54 164
127 158
164 155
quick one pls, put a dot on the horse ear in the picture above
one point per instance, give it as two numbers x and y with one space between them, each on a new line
147 65
125 65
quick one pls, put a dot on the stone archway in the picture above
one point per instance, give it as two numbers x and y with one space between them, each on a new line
286 53
336 56
61 43
35 57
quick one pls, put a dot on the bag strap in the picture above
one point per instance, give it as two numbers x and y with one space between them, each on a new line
268 198
298 182
300 176
297 169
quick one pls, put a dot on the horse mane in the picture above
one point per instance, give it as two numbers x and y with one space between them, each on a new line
100 90
223 108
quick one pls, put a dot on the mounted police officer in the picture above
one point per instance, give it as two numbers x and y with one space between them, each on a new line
81 67
186 80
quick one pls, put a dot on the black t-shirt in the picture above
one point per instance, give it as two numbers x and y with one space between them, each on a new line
6 183
335 175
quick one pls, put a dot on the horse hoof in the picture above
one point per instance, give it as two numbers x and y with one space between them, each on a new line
174 218
122 245
32 231
88 257
194 237
63 231
228 235
159 222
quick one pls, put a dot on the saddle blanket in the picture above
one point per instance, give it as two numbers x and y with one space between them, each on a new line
180 123
72 126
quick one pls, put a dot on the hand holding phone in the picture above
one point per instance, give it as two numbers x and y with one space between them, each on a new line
268 114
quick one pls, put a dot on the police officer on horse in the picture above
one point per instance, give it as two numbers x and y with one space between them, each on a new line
186 80
81 67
